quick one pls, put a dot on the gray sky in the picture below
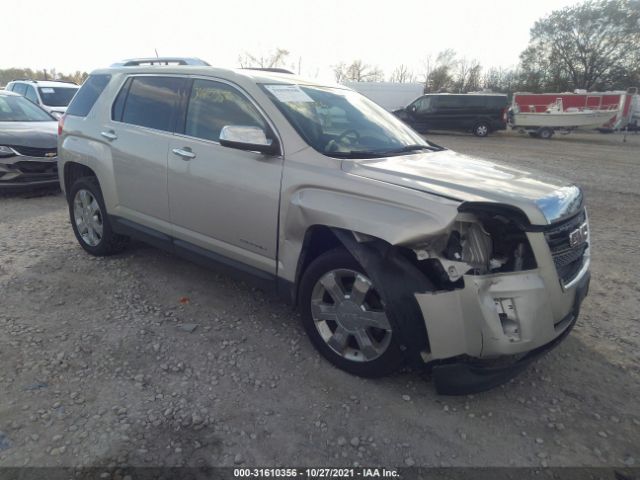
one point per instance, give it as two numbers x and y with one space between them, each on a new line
85 34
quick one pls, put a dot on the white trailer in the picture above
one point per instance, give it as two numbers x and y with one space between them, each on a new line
389 95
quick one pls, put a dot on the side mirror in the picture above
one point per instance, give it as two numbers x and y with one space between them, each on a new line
248 138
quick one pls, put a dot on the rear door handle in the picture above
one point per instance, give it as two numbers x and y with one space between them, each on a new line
109 135
185 153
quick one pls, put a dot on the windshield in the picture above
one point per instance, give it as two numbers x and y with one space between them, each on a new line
19 109
57 96
342 123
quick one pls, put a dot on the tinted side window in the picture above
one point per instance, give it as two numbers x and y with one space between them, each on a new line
477 101
497 102
451 101
213 105
424 104
86 97
20 88
31 94
152 102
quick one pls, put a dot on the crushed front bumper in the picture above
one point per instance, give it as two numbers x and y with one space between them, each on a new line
465 375
21 172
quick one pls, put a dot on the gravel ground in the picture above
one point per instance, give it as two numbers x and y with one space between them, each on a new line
146 359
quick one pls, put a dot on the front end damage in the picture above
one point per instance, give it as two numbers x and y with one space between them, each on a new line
22 167
494 292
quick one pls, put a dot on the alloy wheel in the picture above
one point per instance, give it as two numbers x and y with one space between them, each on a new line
88 217
349 315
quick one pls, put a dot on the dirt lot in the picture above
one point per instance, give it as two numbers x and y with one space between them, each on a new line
100 364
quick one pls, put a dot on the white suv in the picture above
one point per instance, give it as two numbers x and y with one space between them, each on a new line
53 96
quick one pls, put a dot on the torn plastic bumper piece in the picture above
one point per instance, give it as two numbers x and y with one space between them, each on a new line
473 376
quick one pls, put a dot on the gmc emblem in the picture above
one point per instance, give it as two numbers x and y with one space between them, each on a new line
579 235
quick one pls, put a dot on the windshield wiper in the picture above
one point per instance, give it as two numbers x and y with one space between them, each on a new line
356 154
413 148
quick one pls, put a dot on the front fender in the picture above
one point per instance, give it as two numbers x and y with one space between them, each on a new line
394 223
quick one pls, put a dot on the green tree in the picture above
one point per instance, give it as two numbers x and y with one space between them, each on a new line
592 45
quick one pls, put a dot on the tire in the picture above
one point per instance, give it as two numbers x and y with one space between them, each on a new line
90 221
545 133
481 129
339 318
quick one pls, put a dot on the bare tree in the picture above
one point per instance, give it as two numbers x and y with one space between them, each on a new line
440 77
357 71
402 74
272 60
467 76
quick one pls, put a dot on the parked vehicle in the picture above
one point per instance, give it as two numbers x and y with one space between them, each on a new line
28 144
389 95
477 113
53 96
395 250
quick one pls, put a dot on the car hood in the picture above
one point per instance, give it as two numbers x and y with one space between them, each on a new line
468 179
29 134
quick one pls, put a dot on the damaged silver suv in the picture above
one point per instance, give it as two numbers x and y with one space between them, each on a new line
395 250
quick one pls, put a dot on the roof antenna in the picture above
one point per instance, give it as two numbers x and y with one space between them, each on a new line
156 50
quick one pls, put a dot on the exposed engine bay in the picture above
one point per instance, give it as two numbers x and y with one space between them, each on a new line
475 244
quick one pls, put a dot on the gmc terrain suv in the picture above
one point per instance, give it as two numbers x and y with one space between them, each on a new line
395 250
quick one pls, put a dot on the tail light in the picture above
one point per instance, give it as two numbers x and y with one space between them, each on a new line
504 114
61 124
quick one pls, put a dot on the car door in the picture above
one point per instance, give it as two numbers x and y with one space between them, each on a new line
222 199
143 120
421 113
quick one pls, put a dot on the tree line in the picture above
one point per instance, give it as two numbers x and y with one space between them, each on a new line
594 45
9 74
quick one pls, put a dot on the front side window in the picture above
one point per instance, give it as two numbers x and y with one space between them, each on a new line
152 102
424 104
57 96
213 105
341 123
30 94
19 109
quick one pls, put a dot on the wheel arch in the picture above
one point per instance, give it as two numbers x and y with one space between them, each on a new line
72 172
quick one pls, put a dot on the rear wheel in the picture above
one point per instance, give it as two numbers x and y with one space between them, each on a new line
545 133
481 129
90 221
345 317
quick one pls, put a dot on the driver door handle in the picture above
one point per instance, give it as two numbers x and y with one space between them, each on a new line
185 153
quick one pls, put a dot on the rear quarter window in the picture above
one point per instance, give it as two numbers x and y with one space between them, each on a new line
86 97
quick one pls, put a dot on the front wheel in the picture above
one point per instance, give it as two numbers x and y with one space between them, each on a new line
345 317
481 129
90 221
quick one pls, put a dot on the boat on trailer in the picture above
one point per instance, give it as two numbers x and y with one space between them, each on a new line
555 117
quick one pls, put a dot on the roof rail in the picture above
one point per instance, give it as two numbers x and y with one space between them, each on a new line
269 69
24 80
134 62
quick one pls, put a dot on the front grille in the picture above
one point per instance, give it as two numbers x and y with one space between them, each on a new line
35 152
36 167
567 259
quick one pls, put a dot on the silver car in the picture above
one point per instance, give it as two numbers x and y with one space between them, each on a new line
395 250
